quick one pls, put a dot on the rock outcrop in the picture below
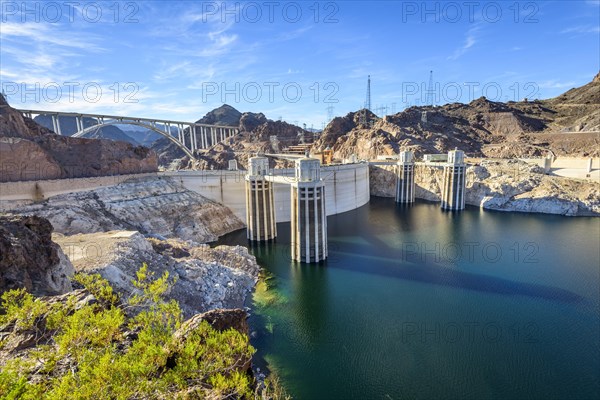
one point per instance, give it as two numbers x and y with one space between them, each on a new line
152 205
503 186
205 278
29 151
30 259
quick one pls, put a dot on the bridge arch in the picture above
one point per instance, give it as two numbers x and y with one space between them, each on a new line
178 143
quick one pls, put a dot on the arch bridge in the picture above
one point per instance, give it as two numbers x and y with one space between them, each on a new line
188 136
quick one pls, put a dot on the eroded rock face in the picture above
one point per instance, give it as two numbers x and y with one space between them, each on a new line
503 186
30 259
206 278
153 205
219 319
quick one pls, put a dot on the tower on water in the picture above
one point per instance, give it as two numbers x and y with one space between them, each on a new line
453 190
308 218
260 208
405 183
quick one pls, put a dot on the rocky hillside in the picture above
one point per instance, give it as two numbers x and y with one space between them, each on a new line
157 206
68 127
255 136
29 151
143 136
503 186
565 125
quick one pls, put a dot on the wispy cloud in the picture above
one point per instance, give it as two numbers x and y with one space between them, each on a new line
556 84
293 34
469 42
582 29
48 34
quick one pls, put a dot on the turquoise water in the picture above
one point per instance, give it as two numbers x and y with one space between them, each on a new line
417 303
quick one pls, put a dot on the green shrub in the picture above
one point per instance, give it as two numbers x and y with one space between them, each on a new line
100 351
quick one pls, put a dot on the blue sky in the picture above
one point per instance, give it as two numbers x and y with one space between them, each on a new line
179 60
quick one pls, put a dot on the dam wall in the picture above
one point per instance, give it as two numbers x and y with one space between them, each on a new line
346 188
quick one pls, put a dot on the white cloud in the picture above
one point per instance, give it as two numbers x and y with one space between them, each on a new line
469 42
582 29
48 34
555 84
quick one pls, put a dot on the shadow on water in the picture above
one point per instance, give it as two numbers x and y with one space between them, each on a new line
411 262
436 275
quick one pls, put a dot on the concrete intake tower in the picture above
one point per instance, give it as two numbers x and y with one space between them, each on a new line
453 190
405 183
260 209
308 217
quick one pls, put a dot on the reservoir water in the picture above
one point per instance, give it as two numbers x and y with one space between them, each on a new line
418 303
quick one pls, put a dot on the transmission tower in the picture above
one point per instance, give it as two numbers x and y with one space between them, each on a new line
368 99
429 99
364 119
329 113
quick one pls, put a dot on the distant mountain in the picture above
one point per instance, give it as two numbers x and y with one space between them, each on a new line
68 127
144 136
224 115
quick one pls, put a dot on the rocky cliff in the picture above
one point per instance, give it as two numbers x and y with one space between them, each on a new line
154 205
503 186
29 151
29 259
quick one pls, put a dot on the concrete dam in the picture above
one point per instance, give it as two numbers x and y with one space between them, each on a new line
346 188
